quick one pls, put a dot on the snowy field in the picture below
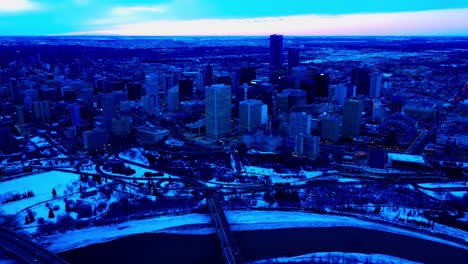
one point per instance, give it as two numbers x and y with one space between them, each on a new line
135 155
240 220
445 195
39 142
444 185
338 257
41 185
280 177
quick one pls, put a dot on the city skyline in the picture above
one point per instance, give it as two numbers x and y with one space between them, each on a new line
239 18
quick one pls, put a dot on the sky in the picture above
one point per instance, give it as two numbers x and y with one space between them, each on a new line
234 17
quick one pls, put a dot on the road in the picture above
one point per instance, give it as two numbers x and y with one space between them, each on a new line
27 250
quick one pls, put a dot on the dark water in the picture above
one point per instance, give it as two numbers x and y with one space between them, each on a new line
261 244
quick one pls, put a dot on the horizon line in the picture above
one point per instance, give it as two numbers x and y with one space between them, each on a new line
235 36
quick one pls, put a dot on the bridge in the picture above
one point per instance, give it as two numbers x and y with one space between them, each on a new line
229 246
27 250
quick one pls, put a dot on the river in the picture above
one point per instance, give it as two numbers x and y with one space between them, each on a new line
263 244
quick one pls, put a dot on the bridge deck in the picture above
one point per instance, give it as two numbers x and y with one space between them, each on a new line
229 246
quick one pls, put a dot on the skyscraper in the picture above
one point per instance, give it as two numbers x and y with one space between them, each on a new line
208 72
322 83
375 84
41 111
352 117
341 93
361 78
173 99
218 110
108 110
331 128
293 60
276 51
185 90
252 114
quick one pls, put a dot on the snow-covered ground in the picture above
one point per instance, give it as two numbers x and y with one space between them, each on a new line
337 257
239 220
39 141
444 195
280 177
41 185
444 185
135 155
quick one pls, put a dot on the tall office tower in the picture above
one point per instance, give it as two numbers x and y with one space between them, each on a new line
134 91
41 111
185 90
20 114
300 123
108 110
396 104
173 102
75 113
361 79
252 114
308 86
322 85
199 83
14 90
152 86
208 75
218 110
307 145
341 93
331 128
375 84
246 75
352 117
293 60
276 51
289 98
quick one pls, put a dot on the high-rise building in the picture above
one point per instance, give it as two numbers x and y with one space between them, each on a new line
352 117
300 123
20 114
41 111
75 113
341 93
122 126
361 79
396 104
108 110
95 139
246 75
293 60
290 98
276 51
307 145
322 85
173 99
134 91
308 86
331 128
208 72
185 90
152 87
252 114
375 84
218 110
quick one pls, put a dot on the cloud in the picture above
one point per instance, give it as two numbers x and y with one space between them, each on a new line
435 22
18 6
129 14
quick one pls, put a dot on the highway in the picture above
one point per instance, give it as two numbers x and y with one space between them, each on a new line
27 250
229 246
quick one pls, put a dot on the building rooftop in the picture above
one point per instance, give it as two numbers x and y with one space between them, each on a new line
406 158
